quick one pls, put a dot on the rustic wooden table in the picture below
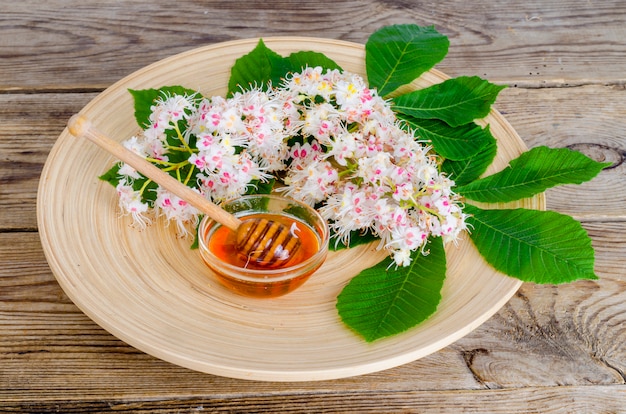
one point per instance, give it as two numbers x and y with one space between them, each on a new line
550 349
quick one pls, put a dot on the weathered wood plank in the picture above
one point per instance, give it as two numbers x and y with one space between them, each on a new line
31 125
552 400
576 330
40 328
587 119
93 44
545 336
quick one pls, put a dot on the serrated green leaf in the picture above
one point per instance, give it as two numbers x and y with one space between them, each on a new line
456 101
145 98
468 170
300 60
379 302
531 245
532 173
261 67
454 143
398 54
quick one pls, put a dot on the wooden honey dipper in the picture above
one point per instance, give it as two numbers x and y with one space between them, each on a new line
260 240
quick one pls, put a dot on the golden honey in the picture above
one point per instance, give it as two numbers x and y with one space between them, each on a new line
246 277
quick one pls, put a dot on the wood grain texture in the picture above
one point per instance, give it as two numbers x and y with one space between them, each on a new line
50 45
574 330
570 400
551 349
588 119
32 123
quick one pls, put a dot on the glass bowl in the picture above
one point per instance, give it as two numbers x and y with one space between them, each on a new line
217 246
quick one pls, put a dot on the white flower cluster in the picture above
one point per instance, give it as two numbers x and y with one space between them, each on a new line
326 137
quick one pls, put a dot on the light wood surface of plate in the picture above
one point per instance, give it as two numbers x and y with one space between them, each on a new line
150 290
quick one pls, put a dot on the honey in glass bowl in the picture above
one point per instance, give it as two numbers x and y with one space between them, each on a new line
219 252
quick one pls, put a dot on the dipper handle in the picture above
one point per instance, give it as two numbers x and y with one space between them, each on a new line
81 127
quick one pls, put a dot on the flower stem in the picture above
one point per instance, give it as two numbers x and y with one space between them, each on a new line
144 186
187 149
181 138
175 166
189 174
351 167
161 162
418 206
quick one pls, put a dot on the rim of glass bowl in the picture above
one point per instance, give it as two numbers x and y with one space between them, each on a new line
267 275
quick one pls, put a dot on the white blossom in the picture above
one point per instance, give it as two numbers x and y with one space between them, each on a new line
327 138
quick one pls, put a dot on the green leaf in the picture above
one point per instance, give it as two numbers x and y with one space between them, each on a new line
396 55
456 101
532 173
357 237
261 67
454 143
149 193
300 60
111 176
261 187
196 239
531 245
380 302
470 169
145 98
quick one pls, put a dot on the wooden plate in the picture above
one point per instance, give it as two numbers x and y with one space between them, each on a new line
150 290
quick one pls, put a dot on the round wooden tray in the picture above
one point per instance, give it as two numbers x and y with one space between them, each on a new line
150 290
